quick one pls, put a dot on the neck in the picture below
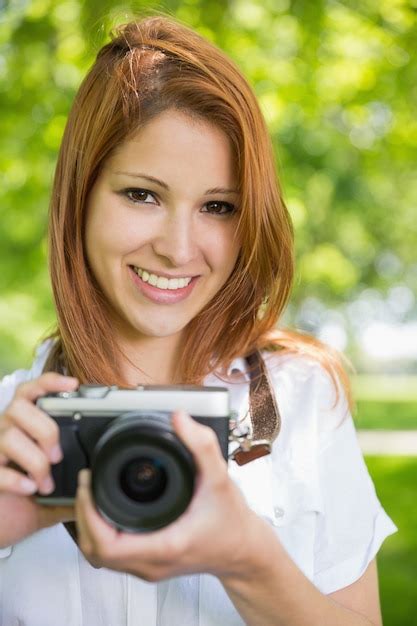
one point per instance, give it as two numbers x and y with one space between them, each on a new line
150 360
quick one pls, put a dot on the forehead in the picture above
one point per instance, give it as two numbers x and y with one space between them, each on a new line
174 142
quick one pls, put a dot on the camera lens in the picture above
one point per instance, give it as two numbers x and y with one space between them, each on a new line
143 479
142 474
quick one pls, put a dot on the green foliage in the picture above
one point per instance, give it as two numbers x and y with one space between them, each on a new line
388 403
336 82
386 415
386 389
395 481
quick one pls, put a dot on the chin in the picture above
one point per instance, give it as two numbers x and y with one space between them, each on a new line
158 331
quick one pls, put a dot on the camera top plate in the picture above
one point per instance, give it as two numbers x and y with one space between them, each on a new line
103 400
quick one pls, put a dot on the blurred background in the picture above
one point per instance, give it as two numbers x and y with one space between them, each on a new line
337 84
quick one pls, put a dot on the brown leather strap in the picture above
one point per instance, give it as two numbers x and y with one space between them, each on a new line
266 420
264 412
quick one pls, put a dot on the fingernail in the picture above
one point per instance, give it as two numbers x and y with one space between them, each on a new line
28 486
55 454
47 486
83 478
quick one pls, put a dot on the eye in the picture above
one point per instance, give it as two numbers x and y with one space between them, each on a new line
139 195
220 208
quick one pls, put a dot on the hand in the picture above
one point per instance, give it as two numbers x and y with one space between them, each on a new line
29 442
213 535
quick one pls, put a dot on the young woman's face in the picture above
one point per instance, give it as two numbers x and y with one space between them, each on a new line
164 204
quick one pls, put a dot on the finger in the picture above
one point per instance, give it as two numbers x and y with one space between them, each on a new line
20 449
92 524
157 548
12 481
51 382
84 539
86 542
96 537
37 425
202 443
107 541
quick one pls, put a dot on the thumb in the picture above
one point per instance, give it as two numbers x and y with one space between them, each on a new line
202 442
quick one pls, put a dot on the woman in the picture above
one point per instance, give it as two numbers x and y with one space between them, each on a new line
171 259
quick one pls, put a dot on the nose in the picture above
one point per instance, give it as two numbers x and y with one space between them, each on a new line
177 240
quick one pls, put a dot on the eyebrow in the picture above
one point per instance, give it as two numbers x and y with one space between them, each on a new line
161 183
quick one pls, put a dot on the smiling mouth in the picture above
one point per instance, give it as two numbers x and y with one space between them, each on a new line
162 293
162 282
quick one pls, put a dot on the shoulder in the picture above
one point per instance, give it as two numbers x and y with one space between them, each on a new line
305 390
292 366
9 383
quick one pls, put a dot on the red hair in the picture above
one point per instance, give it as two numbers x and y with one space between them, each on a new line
150 66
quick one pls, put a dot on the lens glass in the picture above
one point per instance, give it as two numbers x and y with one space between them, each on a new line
143 479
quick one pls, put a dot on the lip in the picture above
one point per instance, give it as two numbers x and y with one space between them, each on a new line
162 296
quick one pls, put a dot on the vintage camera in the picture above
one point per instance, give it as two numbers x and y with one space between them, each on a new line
142 474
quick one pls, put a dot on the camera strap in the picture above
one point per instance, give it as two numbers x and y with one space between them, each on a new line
264 414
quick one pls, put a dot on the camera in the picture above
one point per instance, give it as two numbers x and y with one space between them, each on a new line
142 474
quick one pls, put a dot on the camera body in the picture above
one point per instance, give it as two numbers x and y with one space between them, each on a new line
142 474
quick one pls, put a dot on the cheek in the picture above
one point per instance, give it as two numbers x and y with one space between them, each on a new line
223 251
107 236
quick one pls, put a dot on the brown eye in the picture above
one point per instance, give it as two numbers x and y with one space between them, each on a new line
139 195
220 208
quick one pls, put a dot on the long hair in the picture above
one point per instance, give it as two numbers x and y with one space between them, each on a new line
150 66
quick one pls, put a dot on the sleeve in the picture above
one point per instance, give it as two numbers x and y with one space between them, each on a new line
352 523
9 383
8 386
7 390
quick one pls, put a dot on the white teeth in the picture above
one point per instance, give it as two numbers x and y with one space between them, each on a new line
161 281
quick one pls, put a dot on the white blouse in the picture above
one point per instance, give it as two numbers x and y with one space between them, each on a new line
314 489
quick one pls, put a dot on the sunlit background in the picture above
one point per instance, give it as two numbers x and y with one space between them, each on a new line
337 82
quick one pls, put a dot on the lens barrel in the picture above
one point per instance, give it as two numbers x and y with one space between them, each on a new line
142 474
